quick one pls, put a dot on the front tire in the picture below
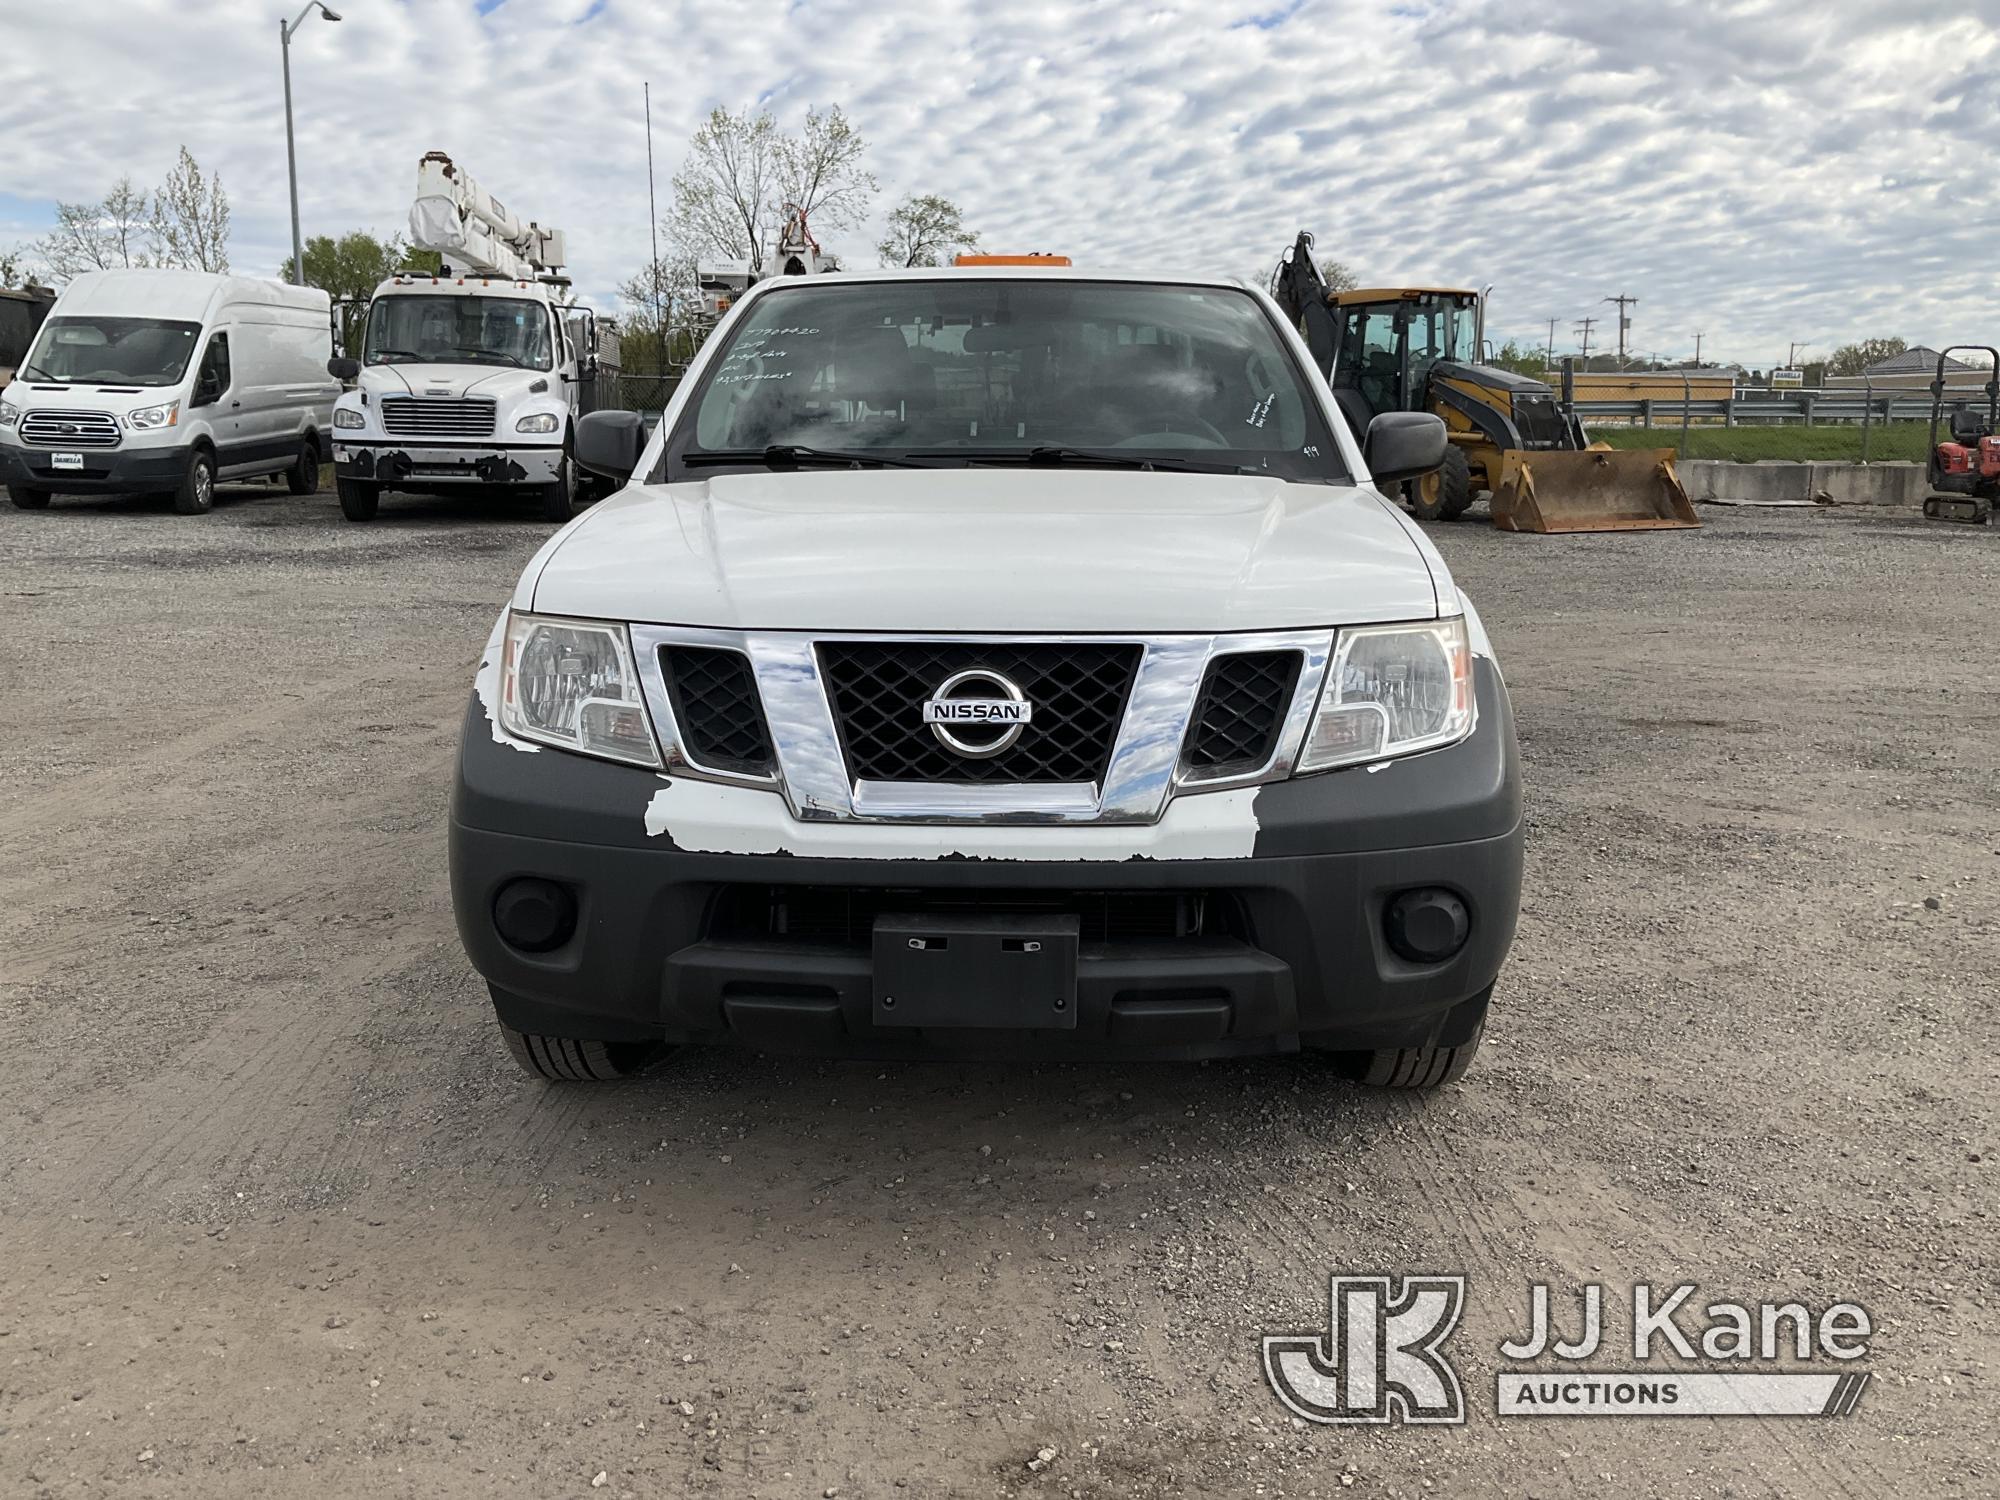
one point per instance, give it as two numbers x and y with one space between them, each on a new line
196 495
556 498
561 1059
1411 1067
302 478
27 499
1445 492
359 500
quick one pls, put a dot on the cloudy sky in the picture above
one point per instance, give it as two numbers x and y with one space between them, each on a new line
1810 170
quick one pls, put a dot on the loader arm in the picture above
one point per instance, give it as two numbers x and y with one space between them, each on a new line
1301 291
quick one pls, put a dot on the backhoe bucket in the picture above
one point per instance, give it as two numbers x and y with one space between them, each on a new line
1598 489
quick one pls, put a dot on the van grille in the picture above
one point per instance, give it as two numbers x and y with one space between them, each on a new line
431 417
70 429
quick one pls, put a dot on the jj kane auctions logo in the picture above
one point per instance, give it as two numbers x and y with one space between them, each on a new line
1381 1358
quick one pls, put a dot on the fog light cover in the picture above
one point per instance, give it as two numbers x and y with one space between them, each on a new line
1427 926
534 915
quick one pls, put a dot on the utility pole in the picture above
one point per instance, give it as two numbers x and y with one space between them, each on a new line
1624 323
1792 355
1551 364
653 209
1584 328
1697 348
291 152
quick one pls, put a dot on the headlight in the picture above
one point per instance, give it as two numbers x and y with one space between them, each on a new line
1392 690
9 415
570 683
147 418
347 416
541 421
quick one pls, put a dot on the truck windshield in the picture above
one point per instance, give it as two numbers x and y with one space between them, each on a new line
112 351
453 330
955 371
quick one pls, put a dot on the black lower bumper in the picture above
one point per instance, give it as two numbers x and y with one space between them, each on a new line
1284 948
112 471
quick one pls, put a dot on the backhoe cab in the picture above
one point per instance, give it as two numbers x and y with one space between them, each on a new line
1418 349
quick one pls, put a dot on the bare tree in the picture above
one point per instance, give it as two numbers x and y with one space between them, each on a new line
820 170
722 193
190 222
98 236
925 230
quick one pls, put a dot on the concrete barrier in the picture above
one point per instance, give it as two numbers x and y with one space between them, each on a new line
1775 479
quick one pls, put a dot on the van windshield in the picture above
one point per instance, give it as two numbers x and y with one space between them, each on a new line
452 330
112 351
950 371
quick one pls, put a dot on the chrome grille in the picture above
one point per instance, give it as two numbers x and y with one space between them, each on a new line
70 429
432 417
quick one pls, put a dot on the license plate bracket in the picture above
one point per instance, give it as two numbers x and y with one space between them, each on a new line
1000 970
70 461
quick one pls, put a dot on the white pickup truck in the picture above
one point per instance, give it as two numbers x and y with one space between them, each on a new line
1008 662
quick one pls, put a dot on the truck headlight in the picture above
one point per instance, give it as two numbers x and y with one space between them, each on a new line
346 416
1392 690
149 418
9 414
571 684
541 421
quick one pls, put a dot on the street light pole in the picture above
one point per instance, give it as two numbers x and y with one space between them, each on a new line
291 152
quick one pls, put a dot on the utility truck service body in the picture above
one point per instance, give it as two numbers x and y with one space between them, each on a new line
169 380
1005 661
473 377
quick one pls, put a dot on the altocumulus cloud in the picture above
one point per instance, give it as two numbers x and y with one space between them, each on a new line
1762 171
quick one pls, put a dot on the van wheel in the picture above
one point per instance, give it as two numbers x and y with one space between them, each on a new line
196 495
556 504
1445 492
562 1059
302 478
1410 1067
28 499
359 500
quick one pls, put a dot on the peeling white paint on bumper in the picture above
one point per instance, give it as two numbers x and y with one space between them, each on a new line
703 817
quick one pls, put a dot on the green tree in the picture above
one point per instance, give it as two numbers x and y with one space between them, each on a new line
15 267
1852 359
348 270
1522 359
925 230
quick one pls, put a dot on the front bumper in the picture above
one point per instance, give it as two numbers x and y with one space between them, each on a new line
106 471
669 943
390 462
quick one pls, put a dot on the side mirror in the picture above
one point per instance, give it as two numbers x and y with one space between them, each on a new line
1403 445
344 370
207 389
608 443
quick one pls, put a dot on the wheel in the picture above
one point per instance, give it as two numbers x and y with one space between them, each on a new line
556 504
1411 1067
562 1059
302 478
359 499
1444 493
25 499
196 495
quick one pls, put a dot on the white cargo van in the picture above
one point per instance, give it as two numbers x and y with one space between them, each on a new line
155 380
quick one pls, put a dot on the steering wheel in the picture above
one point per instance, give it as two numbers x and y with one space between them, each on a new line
1172 424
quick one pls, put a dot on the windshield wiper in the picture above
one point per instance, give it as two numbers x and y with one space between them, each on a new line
479 353
34 372
1056 456
793 456
384 354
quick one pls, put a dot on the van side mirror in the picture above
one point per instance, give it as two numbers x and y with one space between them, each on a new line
1403 445
608 443
207 388
345 371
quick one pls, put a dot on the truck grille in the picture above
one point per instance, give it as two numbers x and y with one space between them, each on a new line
1240 712
715 703
70 429
878 689
432 417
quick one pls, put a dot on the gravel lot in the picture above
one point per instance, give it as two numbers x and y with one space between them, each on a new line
278 1217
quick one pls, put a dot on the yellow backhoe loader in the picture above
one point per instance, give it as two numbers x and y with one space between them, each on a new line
1417 348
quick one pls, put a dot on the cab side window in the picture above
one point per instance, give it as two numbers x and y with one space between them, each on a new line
213 379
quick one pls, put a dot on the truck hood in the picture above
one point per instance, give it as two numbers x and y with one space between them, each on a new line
998 550
497 381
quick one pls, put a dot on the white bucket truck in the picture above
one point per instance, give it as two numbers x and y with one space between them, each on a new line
471 379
